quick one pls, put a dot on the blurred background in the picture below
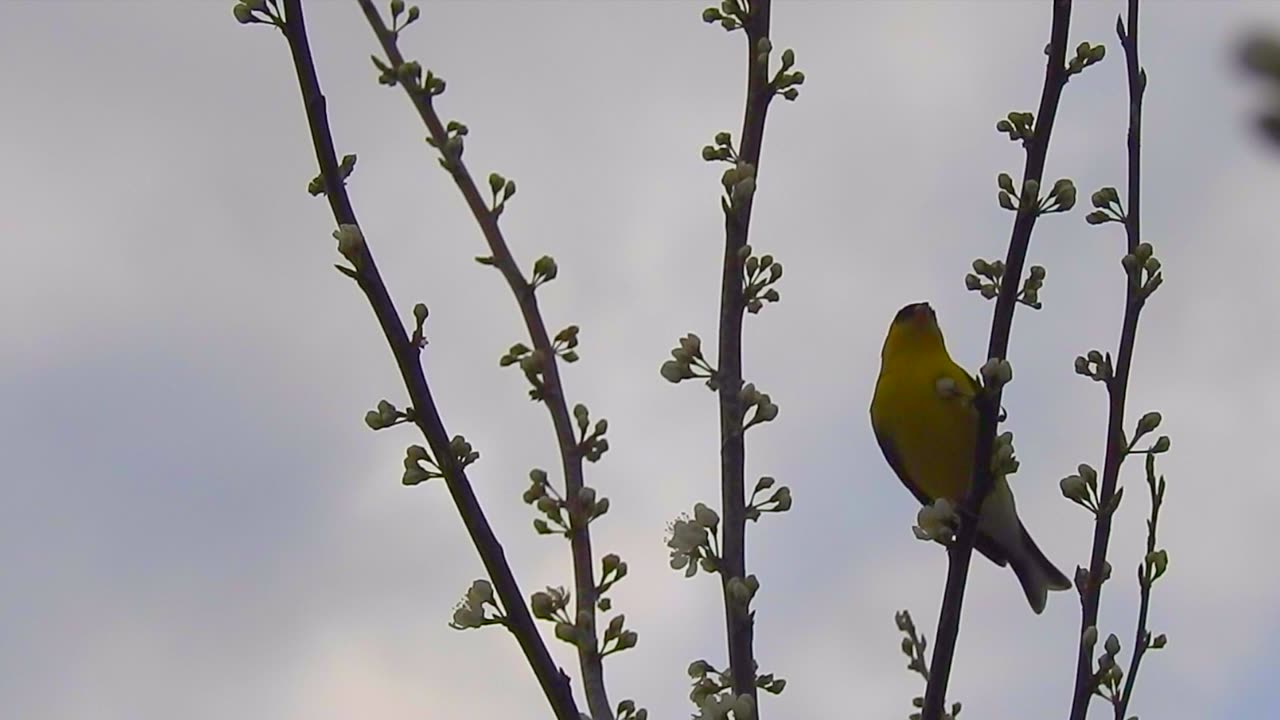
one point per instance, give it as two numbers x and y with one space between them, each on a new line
198 523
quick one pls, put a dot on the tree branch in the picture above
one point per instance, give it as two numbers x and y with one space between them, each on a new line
739 624
1118 383
589 657
988 402
555 684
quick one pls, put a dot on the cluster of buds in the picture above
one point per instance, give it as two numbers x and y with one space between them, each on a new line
350 245
612 569
779 501
459 449
985 278
1082 488
731 15
1061 198
386 415
249 12
541 495
593 445
1082 577
758 276
502 190
786 80
1003 461
1154 565
1109 207
914 646
1156 562
693 541
552 605
1143 269
532 364
397 9
996 373
627 710
687 363
722 151
345 168
1018 126
1095 365
409 75
565 342
765 409
724 706
741 591
472 611
544 497
1086 55
621 638
544 271
1108 678
739 184
1029 295
1146 424
936 522
452 145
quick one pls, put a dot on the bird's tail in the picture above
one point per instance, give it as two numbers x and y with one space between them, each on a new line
1036 573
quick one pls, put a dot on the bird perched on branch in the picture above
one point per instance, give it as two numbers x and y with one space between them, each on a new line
927 427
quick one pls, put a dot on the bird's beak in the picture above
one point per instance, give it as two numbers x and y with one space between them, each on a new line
923 314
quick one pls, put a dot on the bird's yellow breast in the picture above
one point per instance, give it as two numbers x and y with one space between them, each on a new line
932 435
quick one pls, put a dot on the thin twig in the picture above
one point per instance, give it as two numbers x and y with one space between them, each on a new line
1118 383
961 551
739 626
1146 577
585 594
555 684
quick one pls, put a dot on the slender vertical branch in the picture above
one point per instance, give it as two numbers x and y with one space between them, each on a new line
586 591
988 403
554 683
1118 384
738 622
1148 571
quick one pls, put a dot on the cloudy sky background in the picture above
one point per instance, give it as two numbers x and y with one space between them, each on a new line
198 524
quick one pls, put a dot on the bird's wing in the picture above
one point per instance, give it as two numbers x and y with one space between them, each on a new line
984 544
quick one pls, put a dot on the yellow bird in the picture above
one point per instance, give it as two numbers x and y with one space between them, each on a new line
929 438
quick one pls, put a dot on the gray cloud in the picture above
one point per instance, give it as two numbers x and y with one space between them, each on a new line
199 524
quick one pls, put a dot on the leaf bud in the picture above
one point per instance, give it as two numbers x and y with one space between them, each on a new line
1090 637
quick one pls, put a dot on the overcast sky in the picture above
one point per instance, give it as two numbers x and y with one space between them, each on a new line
198 524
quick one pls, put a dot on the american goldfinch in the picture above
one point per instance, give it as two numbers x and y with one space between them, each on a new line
927 430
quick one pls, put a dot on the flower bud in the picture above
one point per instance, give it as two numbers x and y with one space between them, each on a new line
1073 488
705 516
1112 645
